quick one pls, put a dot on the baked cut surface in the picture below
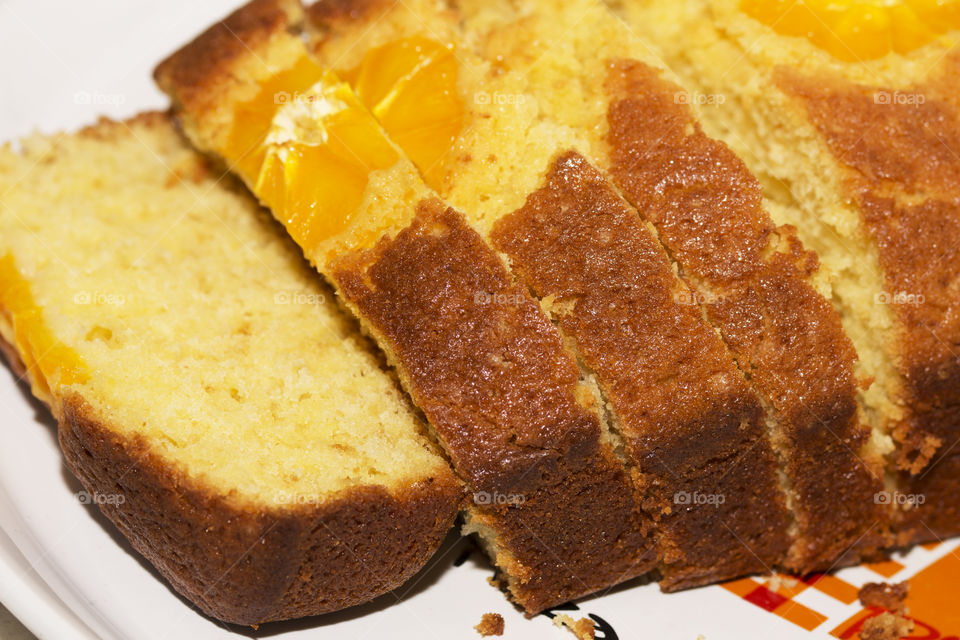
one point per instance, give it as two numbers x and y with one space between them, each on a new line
270 468
759 296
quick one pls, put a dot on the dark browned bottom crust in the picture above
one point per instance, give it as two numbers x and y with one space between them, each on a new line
692 427
489 370
241 563
707 208
905 177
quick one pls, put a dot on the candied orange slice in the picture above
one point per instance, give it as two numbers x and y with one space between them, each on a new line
853 30
308 151
410 85
48 361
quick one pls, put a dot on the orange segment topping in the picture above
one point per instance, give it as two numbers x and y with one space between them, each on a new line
309 152
251 120
410 85
306 143
853 30
48 361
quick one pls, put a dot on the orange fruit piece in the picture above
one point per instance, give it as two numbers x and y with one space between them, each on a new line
308 156
45 358
410 86
855 30
252 120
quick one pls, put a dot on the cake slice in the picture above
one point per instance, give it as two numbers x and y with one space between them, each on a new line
246 436
692 431
556 77
552 500
849 113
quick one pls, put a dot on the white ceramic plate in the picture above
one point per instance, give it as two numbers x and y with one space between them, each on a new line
66 572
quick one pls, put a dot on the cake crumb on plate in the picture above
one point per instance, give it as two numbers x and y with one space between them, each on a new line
582 628
881 594
886 626
491 624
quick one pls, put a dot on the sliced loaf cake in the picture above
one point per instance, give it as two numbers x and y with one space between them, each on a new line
552 500
692 431
558 76
849 113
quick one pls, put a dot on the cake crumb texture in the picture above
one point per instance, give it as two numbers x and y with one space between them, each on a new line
582 628
886 626
491 624
882 594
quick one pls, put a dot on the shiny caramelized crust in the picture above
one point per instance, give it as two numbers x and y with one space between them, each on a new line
754 276
241 563
903 172
685 412
908 146
489 370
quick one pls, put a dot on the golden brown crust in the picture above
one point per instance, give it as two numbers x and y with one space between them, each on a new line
489 371
899 140
683 408
202 73
707 208
327 15
248 564
108 129
901 157
194 69
554 461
